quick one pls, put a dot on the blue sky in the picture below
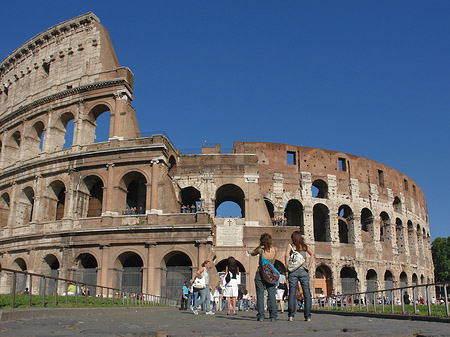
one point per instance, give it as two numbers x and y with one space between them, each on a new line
370 78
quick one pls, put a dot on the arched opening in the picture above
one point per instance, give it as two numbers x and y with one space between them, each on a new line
403 281
384 226
190 200
233 194
98 130
293 213
345 223
177 269
86 270
400 238
411 239
172 165
49 267
220 267
321 219
90 197
348 280
323 280
372 280
13 148
35 141
388 280
366 225
129 272
270 210
56 200
21 279
415 281
25 207
4 209
397 204
67 124
319 189
419 241
135 185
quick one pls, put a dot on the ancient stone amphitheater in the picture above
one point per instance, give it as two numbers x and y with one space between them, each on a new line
114 212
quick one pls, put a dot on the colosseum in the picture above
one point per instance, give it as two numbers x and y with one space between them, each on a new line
135 212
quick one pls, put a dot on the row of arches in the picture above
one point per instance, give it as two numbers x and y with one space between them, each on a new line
40 135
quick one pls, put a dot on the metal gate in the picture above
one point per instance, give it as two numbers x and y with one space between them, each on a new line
87 275
348 285
129 279
49 282
172 279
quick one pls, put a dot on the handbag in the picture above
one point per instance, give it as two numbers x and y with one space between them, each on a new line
199 283
296 260
269 273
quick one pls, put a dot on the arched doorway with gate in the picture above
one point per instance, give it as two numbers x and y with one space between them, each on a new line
177 268
323 281
129 266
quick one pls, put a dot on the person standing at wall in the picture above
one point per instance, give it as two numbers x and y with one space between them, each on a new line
301 274
184 295
230 290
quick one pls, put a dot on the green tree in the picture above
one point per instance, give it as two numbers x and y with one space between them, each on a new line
440 250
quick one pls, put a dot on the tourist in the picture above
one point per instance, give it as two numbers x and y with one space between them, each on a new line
230 290
269 252
246 299
184 295
301 274
205 292
281 290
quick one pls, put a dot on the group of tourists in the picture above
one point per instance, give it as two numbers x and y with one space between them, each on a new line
191 208
267 279
133 211
279 221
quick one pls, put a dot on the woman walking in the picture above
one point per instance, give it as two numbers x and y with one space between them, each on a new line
301 274
205 293
231 290
265 248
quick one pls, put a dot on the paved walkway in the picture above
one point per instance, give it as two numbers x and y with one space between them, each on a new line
172 322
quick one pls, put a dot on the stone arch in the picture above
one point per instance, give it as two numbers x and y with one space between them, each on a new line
403 279
388 280
415 282
384 227
419 240
25 207
230 192
21 279
366 225
172 164
12 147
293 212
323 280
399 235
50 267
5 207
190 199
319 189
411 238
346 224
372 280
36 138
321 219
86 266
270 208
63 132
90 196
348 280
129 272
397 205
90 132
133 192
220 267
55 200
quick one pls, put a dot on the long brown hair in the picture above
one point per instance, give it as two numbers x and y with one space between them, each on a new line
266 241
205 263
298 241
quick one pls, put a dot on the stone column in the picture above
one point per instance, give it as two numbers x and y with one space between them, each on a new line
108 201
154 202
151 282
105 279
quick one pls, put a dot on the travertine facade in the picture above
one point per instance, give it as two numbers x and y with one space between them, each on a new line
62 204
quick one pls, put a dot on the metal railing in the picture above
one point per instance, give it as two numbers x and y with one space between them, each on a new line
102 295
380 300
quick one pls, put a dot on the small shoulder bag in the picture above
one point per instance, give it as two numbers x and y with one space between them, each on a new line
296 260
269 273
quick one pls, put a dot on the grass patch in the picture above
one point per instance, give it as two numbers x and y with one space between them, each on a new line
37 301
421 310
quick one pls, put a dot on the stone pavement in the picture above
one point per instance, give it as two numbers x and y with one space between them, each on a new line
173 322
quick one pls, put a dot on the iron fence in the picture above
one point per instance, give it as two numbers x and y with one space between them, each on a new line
385 300
22 282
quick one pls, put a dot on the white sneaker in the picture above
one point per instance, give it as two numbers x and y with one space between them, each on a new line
195 312
209 313
290 319
308 319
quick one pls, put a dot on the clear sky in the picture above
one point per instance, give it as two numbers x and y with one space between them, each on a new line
369 78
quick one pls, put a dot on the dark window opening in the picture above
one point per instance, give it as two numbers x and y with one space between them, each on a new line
46 67
405 183
380 178
290 158
342 164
